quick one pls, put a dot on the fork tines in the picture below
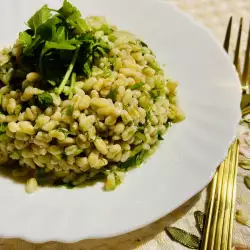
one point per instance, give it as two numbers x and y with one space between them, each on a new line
217 234
244 75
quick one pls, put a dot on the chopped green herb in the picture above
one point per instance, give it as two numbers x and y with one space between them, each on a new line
140 128
148 114
3 127
136 150
168 124
44 100
43 178
137 85
69 110
6 74
61 183
155 93
64 130
133 161
160 138
112 94
140 136
155 66
143 44
107 73
78 152
18 109
118 180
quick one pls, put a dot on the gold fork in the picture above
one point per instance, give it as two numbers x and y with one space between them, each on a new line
218 228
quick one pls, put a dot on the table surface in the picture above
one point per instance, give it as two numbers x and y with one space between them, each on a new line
214 15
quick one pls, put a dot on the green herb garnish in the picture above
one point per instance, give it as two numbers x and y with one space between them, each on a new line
44 100
168 124
69 110
18 109
143 44
155 93
63 130
61 183
3 127
160 138
133 161
140 136
137 85
57 43
112 94
39 18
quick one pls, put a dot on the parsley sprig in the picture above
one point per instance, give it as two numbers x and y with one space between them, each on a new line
57 45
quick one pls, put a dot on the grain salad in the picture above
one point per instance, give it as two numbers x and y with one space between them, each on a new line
80 100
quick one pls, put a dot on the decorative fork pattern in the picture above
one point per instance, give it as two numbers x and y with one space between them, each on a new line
218 229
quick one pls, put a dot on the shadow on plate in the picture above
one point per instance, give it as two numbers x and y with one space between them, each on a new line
127 241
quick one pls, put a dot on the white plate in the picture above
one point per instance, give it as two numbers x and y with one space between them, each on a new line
184 163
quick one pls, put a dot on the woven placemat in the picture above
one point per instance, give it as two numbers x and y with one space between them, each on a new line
214 15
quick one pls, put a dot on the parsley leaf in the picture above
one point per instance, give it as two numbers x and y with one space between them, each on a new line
168 124
55 46
80 26
26 40
47 30
40 17
68 10
73 16
58 35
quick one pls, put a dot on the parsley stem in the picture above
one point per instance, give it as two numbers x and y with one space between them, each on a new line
73 84
68 73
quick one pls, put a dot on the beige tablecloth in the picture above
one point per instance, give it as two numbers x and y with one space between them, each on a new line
214 14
